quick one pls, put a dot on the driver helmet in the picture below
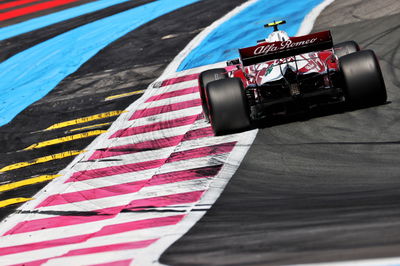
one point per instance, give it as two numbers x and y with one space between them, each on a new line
277 36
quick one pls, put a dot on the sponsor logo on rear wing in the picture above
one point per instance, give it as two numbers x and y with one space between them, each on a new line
296 45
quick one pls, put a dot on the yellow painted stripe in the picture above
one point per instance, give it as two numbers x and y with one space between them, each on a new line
85 119
27 182
5 203
53 157
89 127
123 95
65 139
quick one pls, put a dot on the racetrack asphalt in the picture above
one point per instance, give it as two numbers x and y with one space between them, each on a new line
320 187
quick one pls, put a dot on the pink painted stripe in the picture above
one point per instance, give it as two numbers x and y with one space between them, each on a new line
128 168
52 222
132 187
165 108
104 231
183 121
162 201
43 244
152 144
99 249
156 202
172 94
92 194
178 176
138 225
201 152
108 248
32 263
115 170
115 263
137 147
198 133
179 79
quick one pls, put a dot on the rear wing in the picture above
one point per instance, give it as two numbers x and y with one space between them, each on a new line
296 45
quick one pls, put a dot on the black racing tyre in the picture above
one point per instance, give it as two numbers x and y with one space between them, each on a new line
362 79
228 105
205 78
345 48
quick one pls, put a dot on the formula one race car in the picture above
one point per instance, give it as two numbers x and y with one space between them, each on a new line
281 75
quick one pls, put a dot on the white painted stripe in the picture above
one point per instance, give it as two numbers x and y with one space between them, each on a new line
97 258
160 118
309 20
205 142
125 159
168 101
211 160
177 86
149 136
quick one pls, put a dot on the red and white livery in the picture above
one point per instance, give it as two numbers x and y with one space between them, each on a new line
283 74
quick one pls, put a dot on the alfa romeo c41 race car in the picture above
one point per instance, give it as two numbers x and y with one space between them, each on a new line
282 75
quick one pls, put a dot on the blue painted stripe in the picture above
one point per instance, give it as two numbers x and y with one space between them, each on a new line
44 21
246 28
31 74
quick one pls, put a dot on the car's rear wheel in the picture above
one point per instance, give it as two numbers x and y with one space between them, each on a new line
345 48
362 79
228 106
205 78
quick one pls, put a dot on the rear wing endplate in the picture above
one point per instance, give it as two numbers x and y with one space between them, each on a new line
296 45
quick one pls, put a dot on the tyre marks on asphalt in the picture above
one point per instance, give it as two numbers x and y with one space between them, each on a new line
136 183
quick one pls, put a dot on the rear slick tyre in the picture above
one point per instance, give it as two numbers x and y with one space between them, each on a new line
362 79
345 48
205 78
228 105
